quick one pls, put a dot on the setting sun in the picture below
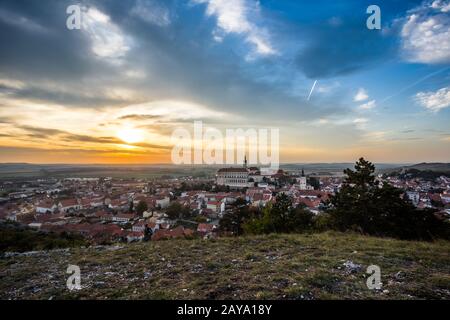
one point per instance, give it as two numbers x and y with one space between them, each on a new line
130 135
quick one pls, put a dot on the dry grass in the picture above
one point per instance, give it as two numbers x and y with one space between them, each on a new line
263 267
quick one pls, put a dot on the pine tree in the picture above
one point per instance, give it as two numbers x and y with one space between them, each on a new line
364 206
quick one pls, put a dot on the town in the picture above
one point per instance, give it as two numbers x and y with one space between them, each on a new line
106 210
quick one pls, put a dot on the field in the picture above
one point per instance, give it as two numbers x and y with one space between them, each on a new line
29 171
317 266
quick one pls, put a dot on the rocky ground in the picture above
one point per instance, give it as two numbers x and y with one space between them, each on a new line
319 266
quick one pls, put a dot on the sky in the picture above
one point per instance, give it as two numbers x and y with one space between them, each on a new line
115 90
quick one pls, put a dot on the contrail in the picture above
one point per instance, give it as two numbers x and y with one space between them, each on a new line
413 84
312 89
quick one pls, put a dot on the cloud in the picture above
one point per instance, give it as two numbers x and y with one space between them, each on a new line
78 139
84 138
367 106
4 120
22 22
443 6
139 117
108 40
361 95
11 84
53 93
151 12
360 123
434 101
360 120
426 33
375 136
41 132
173 111
233 16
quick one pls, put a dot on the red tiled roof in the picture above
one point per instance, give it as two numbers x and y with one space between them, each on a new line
69 203
205 227
48 204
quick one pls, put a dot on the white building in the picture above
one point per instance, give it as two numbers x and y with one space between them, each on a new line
233 177
69 205
163 202
413 196
46 207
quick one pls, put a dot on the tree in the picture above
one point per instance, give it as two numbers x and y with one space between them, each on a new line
363 176
314 182
141 207
234 220
364 206
279 214
281 217
300 220
177 211
131 207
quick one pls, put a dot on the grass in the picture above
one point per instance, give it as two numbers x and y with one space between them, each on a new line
261 267
15 238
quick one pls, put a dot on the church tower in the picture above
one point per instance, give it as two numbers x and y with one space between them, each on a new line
245 162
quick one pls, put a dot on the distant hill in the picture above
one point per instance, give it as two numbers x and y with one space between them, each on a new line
436 166
424 166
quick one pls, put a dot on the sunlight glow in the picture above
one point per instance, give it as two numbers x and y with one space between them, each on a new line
130 135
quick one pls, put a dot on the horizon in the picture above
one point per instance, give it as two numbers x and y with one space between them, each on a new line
210 165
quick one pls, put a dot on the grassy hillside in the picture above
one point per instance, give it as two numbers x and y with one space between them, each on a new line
263 267
14 237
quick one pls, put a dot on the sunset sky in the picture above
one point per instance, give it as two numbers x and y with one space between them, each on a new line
114 91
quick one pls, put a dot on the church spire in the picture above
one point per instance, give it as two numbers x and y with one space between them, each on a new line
245 162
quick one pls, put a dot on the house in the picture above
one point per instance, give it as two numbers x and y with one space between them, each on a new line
213 205
261 199
413 196
92 202
139 226
445 198
69 205
123 217
119 204
46 206
35 225
103 215
133 236
178 232
205 228
108 231
153 226
97 202
8 215
148 200
162 201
